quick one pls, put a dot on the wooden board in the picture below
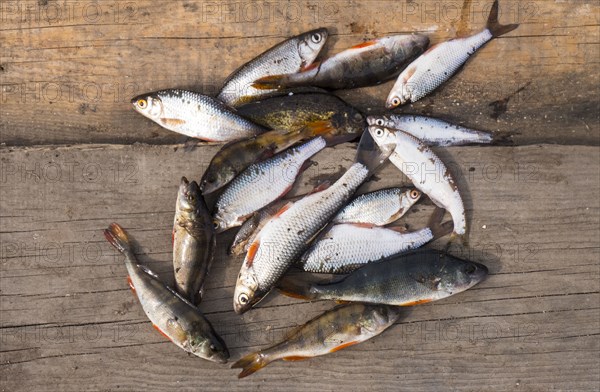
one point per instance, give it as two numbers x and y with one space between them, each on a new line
69 321
69 69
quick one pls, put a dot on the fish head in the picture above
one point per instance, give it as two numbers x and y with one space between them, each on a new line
205 343
379 317
310 45
406 46
221 222
188 197
213 179
460 275
413 196
381 121
417 44
398 96
149 105
246 290
384 137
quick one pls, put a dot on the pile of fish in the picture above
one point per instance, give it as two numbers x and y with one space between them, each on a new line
276 113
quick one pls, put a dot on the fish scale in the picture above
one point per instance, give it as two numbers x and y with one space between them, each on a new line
261 184
378 208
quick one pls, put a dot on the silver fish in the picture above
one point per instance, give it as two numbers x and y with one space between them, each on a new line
441 62
378 208
432 131
287 235
261 184
195 115
291 55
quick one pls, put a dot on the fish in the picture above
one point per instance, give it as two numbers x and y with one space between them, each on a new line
440 62
194 241
291 55
432 131
287 235
409 279
171 314
348 246
378 208
426 170
236 156
366 64
334 330
195 115
261 184
296 111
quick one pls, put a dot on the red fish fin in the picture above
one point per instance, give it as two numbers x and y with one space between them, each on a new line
292 294
427 51
494 26
418 302
317 128
161 332
172 121
364 45
117 237
173 237
398 229
252 250
320 188
295 358
283 209
363 225
310 66
250 364
269 82
343 346
130 284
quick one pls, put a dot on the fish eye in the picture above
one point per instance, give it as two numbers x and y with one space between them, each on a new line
379 132
316 38
191 198
379 122
243 299
396 101
470 269
212 347
142 103
215 224
414 193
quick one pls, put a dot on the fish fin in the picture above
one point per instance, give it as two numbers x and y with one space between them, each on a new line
462 238
320 188
343 346
305 165
370 155
283 209
130 282
270 82
362 225
190 144
318 128
417 302
364 45
118 238
494 26
294 358
310 66
161 332
250 364
293 288
172 121
503 139
340 302
413 69
252 250
399 229
439 229
334 140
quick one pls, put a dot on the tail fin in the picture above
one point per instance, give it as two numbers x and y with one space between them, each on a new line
494 26
503 139
273 82
370 154
439 229
294 288
251 364
118 238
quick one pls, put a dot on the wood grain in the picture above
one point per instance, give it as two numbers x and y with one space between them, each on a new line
69 69
69 321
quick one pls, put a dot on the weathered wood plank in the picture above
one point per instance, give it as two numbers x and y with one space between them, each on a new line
68 69
68 318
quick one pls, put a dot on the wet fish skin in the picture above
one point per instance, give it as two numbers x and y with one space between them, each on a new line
346 247
261 184
194 241
195 115
441 62
329 332
378 208
295 111
288 56
432 131
170 313
366 64
287 235
409 279
237 156
418 162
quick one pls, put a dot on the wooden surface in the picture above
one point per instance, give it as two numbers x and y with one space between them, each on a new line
68 320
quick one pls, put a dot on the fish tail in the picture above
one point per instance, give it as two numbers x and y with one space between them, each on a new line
494 26
273 82
439 229
251 363
118 238
503 139
294 288
370 154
